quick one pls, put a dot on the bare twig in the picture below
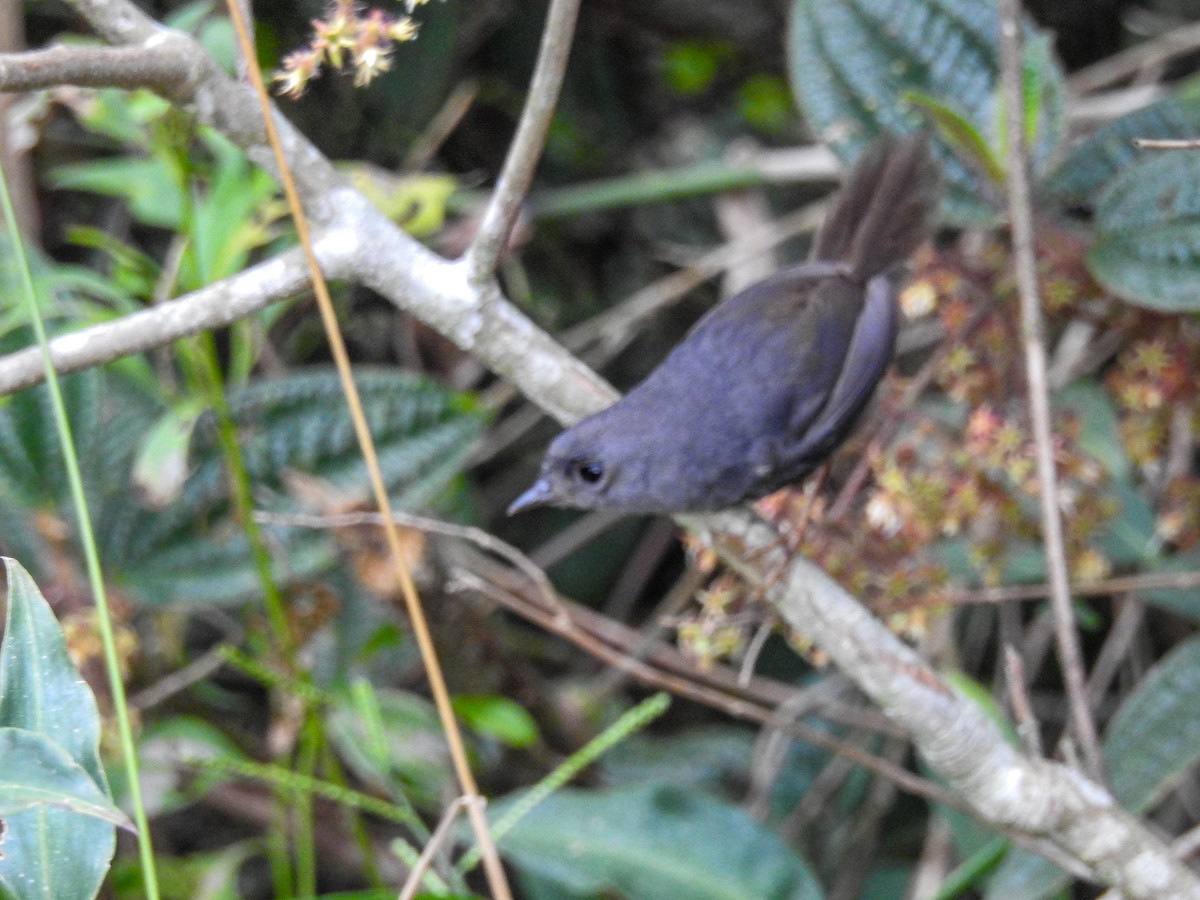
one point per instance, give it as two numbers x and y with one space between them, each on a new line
1167 143
1018 693
1033 336
1137 58
477 536
441 126
441 836
517 174
1116 645
1120 584
649 675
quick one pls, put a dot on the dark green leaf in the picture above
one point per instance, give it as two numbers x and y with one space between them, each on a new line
651 841
1155 735
1147 247
1181 601
392 740
149 185
1109 150
31 460
49 852
852 62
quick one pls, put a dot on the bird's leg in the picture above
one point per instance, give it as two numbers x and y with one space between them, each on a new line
790 530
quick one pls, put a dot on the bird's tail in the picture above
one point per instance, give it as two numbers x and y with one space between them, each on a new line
884 209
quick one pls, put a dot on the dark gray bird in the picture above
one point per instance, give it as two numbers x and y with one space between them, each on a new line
769 382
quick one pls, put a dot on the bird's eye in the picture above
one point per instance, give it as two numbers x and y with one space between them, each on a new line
589 472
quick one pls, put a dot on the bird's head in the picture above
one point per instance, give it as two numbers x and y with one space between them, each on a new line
592 465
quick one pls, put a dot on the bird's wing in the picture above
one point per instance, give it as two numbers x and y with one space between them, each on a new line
773 353
861 359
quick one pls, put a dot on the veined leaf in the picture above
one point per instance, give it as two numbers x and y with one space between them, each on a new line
191 551
49 851
1109 150
1147 247
650 841
852 63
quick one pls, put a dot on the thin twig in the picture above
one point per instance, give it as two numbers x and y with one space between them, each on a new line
648 675
513 184
590 628
1033 336
1167 143
1129 63
440 837
477 536
441 126
1018 694
672 603
1116 646
1120 584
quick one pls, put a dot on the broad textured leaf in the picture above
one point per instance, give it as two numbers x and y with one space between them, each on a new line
31 459
35 771
1147 247
49 852
1153 739
1155 735
191 551
651 841
1109 150
852 62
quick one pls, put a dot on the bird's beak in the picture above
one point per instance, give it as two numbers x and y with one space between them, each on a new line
539 495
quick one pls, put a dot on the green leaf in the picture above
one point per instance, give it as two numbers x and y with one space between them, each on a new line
691 66
121 115
170 752
765 102
31 461
497 717
160 469
650 841
1147 247
134 273
35 771
1109 150
49 852
1155 735
961 134
1100 433
393 743
149 185
225 222
852 63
